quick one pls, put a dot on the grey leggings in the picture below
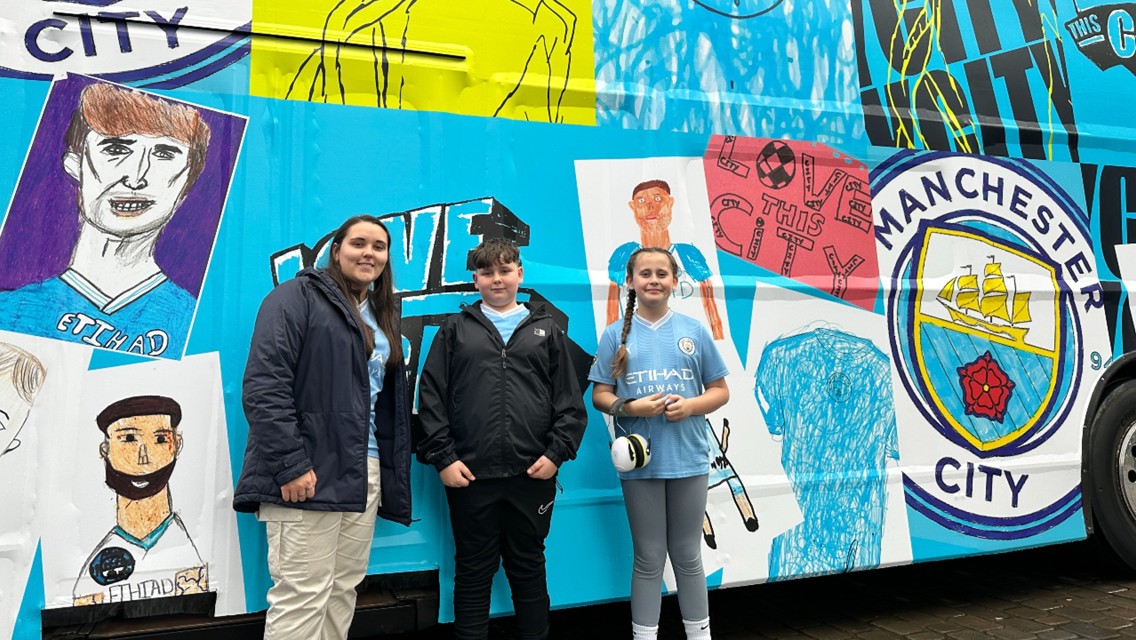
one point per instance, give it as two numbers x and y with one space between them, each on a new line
666 518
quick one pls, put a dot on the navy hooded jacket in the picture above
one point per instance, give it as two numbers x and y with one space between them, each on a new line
306 395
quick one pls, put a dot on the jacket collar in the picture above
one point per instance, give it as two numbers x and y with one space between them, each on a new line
475 312
327 286
535 312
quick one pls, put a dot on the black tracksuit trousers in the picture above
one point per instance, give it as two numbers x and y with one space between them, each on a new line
501 521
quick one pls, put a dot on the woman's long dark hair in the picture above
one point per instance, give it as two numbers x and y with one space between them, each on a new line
380 296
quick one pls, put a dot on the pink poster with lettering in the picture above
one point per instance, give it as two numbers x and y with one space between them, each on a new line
800 209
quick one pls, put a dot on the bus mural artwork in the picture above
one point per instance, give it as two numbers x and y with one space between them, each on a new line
162 454
826 395
521 72
915 268
31 379
991 348
949 76
798 209
21 376
157 44
652 207
129 166
653 58
722 472
148 553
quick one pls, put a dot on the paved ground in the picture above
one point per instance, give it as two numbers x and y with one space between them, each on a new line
1072 591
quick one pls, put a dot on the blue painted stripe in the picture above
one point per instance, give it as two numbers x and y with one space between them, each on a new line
205 71
914 490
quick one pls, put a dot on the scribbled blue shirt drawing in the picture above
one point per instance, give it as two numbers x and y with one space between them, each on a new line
677 65
828 395
151 318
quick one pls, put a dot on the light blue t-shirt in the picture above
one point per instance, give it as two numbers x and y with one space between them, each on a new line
376 366
506 321
674 355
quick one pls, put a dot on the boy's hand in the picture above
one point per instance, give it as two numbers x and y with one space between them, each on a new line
676 408
542 469
456 475
647 407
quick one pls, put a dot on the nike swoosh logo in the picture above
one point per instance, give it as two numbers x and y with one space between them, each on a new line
544 508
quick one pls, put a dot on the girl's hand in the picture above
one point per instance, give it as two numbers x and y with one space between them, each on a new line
676 408
647 407
300 489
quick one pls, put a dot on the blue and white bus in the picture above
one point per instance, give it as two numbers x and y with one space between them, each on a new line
906 224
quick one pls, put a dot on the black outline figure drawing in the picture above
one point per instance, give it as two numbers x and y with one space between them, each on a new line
379 35
722 472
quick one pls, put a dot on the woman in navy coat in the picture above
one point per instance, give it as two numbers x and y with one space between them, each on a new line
325 394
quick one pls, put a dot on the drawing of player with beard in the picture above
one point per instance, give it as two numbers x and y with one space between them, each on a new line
148 553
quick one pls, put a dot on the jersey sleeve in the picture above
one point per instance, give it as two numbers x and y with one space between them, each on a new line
617 266
713 366
693 262
605 352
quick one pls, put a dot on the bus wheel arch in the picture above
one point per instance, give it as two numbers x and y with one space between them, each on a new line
1110 469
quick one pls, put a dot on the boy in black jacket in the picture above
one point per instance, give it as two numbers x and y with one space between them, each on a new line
501 411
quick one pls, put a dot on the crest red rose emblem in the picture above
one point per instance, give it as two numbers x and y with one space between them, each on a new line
986 388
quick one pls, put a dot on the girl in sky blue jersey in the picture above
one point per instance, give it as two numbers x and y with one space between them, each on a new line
658 373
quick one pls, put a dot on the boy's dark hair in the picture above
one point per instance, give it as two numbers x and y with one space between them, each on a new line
651 184
493 252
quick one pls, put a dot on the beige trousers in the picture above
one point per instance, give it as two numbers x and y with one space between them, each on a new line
316 559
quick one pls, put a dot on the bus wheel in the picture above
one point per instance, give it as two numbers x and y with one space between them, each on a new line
1112 470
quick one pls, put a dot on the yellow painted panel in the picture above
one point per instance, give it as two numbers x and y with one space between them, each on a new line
523 59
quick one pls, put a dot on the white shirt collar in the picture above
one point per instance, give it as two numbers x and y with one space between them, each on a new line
656 324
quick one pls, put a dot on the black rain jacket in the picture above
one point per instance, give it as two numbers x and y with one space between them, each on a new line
306 395
498 407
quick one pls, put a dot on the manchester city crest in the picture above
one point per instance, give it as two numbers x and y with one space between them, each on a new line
989 284
984 324
987 332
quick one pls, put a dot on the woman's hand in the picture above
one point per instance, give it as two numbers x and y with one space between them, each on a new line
300 489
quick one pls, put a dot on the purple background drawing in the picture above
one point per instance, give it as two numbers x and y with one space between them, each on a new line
42 224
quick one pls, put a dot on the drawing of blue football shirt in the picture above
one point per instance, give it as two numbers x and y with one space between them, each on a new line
828 395
674 355
151 318
692 267
666 56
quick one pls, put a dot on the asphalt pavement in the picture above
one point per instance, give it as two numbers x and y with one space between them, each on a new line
1055 593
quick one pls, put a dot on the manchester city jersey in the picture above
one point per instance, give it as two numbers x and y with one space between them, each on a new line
827 394
122 567
151 318
675 355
